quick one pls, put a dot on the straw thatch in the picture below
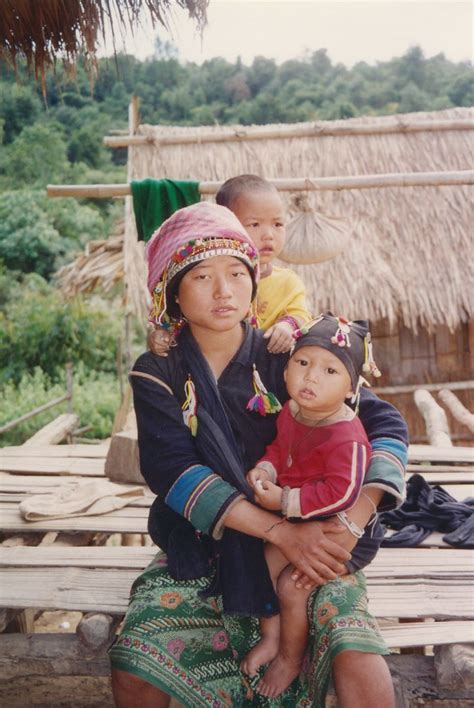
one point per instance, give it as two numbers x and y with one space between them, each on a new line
100 266
409 255
45 30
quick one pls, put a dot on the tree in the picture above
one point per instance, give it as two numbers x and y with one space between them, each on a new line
19 107
37 156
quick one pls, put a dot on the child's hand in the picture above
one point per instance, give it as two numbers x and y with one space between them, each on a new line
280 336
268 495
158 341
257 474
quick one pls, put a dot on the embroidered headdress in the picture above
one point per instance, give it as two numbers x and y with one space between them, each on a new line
349 341
191 235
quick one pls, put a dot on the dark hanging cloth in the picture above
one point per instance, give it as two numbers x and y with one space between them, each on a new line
427 509
154 200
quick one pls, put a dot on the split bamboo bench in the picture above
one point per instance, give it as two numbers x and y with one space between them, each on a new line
422 596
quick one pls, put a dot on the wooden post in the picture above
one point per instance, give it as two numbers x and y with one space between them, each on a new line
458 411
69 386
129 234
435 419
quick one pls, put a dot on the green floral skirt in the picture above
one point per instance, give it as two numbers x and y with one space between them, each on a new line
188 648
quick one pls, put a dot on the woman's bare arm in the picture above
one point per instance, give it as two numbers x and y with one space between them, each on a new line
306 546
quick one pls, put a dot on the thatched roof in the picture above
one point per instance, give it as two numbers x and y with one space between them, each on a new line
46 30
410 252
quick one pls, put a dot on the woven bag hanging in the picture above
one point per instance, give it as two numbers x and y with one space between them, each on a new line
313 237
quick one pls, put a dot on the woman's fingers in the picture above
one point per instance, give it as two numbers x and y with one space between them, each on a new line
315 556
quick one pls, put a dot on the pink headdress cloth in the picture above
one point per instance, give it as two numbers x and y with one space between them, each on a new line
173 243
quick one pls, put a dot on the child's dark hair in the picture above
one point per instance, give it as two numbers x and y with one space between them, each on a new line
235 186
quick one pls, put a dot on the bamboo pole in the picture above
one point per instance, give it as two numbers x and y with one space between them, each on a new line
35 411
458 411
377 181
411 388
314 130
436 421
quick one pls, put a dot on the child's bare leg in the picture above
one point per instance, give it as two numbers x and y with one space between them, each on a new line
294 628
266 649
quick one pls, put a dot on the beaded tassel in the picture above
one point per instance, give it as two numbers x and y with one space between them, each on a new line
341 338
263 401
158 306
189 407
369 365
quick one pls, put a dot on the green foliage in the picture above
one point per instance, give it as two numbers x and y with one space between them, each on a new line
39 329
36 232
19 107
95 400
37 156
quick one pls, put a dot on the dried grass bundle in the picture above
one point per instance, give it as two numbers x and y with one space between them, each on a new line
313 237
44 30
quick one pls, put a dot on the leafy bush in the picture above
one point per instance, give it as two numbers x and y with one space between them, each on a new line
95 400
39 328
37 233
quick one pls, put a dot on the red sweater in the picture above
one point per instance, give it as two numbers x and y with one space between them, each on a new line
324 466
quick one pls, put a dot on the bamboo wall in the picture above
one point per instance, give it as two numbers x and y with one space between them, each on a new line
437 357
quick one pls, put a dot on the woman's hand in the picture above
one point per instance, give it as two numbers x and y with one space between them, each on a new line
316 557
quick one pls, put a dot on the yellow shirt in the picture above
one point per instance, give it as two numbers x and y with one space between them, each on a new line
280 293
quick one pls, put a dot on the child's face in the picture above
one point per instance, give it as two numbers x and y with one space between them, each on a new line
261 214
318 381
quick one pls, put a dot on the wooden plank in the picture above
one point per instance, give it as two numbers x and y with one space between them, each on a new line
389 562
130 519
91 467
435 467
428 633
78 450
55 431
62 655
107 590
430 453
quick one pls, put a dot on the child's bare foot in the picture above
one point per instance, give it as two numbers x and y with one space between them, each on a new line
264 651
278 676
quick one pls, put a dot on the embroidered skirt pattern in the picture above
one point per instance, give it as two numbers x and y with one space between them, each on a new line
185 646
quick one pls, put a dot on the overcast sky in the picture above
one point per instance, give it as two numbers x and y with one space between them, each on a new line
351 30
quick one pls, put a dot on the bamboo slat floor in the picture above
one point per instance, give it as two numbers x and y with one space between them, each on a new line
77 450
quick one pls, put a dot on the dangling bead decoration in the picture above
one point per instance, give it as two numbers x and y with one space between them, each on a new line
369 365
189 407
356 396
304 329
263 401
341 338
251 317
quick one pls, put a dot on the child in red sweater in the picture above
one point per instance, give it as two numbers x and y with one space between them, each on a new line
314 469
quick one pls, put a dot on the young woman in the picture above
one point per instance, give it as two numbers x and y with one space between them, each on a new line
205 414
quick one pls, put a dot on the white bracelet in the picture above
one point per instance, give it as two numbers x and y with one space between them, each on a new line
374 514
350 525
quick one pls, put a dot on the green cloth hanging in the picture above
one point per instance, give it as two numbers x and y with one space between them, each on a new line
154 200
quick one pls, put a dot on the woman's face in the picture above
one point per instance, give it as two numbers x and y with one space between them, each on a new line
215 295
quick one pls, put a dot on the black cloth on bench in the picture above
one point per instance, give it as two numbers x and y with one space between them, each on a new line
427 509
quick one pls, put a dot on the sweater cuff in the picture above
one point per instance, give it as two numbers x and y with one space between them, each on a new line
268 467
294 504
201 497
218 530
